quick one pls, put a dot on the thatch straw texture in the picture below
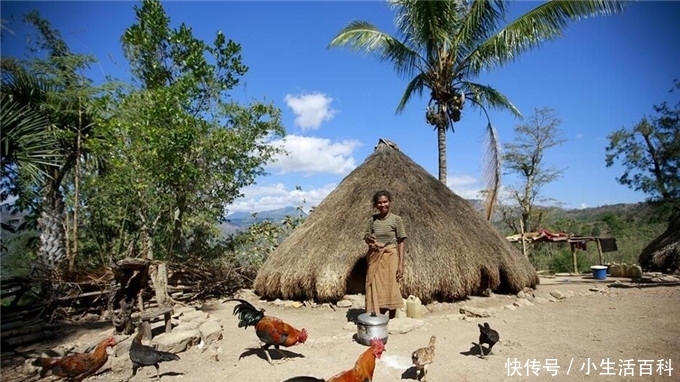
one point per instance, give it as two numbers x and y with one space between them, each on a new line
663 253
452 252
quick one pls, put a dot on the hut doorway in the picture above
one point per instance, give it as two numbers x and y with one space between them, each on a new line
356 282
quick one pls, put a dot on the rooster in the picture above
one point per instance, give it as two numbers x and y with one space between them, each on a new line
423 357
78 366
364 367
142 355
361 372
487 336
270 330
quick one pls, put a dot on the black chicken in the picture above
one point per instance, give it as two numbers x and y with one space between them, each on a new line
142 355
487 336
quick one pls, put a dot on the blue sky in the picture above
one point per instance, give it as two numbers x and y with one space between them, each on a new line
603 74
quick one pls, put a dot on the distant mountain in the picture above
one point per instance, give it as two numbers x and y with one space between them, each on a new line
240 221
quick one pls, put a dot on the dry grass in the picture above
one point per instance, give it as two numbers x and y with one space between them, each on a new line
663 254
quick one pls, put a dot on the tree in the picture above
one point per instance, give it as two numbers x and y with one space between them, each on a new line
65 104
525 157
183 149
27 142
650 153
443 46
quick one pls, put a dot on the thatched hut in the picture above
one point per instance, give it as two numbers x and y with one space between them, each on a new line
452 251
663 253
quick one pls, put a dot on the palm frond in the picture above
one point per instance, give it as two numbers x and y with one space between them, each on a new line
486 95
545 22
364 36
492 171
416 85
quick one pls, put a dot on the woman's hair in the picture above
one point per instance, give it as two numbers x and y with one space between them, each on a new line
380 194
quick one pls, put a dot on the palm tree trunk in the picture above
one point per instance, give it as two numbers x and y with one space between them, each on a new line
441 140
51 252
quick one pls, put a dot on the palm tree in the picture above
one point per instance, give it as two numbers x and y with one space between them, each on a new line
443 46
27 142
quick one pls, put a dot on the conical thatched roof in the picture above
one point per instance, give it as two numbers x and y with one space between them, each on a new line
452 251
663 254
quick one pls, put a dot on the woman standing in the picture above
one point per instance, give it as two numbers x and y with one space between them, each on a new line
385 237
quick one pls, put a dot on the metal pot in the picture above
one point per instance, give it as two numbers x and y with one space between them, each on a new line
371 326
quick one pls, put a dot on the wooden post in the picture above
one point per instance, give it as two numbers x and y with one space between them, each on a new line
573 257
599 250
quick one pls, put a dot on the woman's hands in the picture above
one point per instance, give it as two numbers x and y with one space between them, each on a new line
371 241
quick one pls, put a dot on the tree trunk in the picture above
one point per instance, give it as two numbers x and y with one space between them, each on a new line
51 252
441 140
159 279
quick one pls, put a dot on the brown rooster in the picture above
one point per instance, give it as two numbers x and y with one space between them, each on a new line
142 355
423 357
365 365
270 330
79 366
361 372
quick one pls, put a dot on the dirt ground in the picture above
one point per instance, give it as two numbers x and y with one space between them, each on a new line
629 333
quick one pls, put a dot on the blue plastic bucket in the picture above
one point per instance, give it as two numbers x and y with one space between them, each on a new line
599 272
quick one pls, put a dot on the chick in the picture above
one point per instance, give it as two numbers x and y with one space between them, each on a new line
423 357
487 336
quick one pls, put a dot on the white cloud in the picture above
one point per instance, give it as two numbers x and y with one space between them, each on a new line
579 136
273 196
583 205
465 186
314 155
469 187
310 110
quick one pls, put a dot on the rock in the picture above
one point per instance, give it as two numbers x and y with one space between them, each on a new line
510 307
520 302
354 297
521 294
403 325
557 294
187 325
278 302
472 311
178 311
195 315
211 331
344 304
634 272
552 299
292 304
177 340
435 306
454 317
669 279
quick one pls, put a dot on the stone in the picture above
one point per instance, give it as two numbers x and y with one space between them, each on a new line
403 325
510 307
454 317
177 340
521 294
195 315
634 272
344 304
557 294
211 331
520 302
472 311
180 310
